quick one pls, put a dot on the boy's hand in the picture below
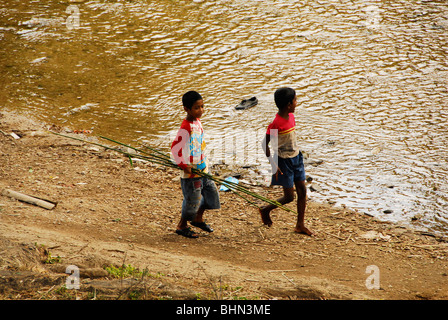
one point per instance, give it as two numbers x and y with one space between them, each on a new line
187 170
275 168
277 172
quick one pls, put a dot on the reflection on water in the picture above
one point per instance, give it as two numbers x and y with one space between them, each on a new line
371 79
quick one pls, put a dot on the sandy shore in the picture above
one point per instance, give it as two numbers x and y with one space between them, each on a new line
110 213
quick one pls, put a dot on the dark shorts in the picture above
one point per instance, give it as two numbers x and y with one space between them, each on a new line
198 192
292 169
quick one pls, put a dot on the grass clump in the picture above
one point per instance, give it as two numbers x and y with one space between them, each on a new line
124 271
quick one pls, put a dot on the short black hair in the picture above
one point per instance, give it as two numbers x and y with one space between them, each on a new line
190 98
284 96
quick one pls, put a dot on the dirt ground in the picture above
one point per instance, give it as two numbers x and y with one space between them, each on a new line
110 213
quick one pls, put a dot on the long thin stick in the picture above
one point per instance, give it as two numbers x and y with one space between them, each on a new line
162 156
29 199
165 160
229 184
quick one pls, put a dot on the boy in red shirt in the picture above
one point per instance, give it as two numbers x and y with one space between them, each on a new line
188 150
287 162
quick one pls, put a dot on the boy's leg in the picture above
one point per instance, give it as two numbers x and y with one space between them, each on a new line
286 181
301 206
210 200
183 229
191 189
288 196
199 222
182 224
199 215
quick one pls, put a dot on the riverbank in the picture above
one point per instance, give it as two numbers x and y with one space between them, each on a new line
111 213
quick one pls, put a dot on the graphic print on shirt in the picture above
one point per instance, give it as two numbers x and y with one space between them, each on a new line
197 145
188 148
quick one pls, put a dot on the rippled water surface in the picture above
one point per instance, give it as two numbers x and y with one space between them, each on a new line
371 79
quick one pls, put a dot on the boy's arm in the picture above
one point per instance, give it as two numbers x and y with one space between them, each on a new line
187 169
265 145
267 151
177 149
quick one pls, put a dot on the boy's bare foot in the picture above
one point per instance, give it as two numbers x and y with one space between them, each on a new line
265 217
303 230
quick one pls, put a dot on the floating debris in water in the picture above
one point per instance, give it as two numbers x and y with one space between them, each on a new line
38 60
85 107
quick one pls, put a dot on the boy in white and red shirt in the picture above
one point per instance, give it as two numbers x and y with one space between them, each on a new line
287 163
188 150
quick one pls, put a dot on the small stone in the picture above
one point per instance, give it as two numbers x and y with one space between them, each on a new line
315 187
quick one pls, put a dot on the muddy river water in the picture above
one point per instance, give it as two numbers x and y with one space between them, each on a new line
371 79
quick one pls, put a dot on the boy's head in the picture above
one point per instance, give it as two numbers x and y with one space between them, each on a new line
193 105
283 97
190 98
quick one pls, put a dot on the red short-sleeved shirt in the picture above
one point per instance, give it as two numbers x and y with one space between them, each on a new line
283 132
188 148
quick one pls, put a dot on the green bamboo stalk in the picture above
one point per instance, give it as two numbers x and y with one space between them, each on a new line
173 165
229 184
241 196
159 157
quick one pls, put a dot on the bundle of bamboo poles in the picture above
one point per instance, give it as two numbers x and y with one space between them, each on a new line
155 156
